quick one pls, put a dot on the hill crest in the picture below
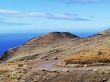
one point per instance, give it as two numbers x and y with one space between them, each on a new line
51 37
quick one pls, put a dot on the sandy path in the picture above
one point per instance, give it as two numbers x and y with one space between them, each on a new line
46 64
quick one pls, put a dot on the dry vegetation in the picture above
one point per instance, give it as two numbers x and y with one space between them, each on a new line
23 63
87 59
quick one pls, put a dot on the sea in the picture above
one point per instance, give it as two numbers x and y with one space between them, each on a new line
12 40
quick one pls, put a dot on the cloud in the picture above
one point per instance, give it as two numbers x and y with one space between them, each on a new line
3 22
84 1
66 16
2 11
59 16
20 13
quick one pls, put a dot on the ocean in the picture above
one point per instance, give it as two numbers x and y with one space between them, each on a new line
12 40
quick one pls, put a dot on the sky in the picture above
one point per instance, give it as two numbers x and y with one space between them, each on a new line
29 16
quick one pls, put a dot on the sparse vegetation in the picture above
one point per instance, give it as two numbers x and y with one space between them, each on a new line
82 56
87 59
20 65
100 53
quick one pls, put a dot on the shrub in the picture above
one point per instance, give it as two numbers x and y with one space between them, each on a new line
20 65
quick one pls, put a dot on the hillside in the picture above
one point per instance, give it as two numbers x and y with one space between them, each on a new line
57 57
51 38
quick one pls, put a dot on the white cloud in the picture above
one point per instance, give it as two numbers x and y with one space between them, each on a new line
20 13
66 16
2 11
60 16
37 14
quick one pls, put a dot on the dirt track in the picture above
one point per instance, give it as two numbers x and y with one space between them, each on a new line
50 65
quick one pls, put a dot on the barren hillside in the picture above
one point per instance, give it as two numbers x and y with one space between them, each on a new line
58 57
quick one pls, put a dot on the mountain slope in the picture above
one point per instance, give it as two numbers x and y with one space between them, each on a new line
51 37
58 57
59 44
39 45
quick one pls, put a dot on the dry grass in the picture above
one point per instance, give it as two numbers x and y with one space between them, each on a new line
87 59
107 50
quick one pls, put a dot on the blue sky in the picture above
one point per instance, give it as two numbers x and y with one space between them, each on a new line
29 16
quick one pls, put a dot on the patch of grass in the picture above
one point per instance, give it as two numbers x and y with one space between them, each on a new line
87 59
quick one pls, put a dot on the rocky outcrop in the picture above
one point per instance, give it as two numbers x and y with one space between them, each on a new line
8 54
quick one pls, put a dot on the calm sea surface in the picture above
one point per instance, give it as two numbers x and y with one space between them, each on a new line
12 40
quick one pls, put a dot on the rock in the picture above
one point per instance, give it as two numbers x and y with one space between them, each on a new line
62 64
85 65
89 70
95 70
35 80
59 70
106 72
72 65
65 70
44 77
24 67
46 59
70 70
55 58
53 70
12 69
18 76
1 77
104 80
